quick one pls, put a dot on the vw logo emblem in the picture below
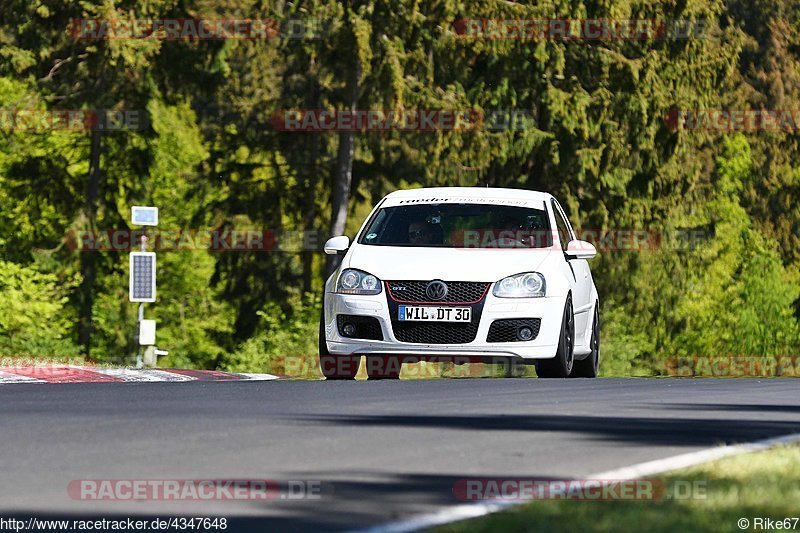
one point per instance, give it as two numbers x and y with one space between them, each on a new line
436 290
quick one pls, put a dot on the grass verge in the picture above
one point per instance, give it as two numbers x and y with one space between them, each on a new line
763 485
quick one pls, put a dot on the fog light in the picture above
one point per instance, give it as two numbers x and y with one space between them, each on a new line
524 333
349 330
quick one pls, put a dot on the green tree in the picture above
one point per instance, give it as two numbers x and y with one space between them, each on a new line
34 319
738 287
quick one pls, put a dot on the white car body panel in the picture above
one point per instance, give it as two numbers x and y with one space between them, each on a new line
415 263
449 264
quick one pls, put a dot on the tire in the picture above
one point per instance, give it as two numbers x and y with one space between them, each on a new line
335 366
589 367
384 367
560 366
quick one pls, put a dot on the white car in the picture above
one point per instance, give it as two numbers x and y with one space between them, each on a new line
461 274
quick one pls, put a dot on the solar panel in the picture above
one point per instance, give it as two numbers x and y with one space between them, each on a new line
142 286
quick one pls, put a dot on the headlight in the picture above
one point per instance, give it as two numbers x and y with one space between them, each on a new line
525 285
352 281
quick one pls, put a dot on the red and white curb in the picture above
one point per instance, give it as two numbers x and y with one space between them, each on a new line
82 374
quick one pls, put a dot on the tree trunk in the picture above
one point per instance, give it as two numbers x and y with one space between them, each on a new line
312 180
310 215
343 174
88 265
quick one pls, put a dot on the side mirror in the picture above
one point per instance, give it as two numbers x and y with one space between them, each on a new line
580 250
337 245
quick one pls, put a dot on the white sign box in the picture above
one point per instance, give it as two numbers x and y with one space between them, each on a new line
144 216
147 332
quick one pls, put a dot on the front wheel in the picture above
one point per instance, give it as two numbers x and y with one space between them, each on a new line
560 366
335 366
384 367
590 366
339 366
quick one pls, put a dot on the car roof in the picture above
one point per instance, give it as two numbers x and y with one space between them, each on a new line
482 193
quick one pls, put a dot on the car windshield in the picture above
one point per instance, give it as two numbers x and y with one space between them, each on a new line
459 226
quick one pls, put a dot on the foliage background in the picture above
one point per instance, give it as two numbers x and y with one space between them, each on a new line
210 158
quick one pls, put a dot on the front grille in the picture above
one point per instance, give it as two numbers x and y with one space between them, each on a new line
435 332
505 330
367 327
457 291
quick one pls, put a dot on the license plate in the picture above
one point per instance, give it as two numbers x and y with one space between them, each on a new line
434 314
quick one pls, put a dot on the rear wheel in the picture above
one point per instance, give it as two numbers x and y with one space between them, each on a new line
335 366
589 367
560 366
384 367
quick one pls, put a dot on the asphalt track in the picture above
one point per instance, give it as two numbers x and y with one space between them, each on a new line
380 451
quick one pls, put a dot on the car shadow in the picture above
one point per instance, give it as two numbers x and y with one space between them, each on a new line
679 431
347 500
766 408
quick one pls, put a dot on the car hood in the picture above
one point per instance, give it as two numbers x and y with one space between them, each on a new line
449 264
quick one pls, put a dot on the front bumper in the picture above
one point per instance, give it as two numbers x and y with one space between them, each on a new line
548 309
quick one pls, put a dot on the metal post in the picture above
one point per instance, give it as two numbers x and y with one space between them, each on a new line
139 361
